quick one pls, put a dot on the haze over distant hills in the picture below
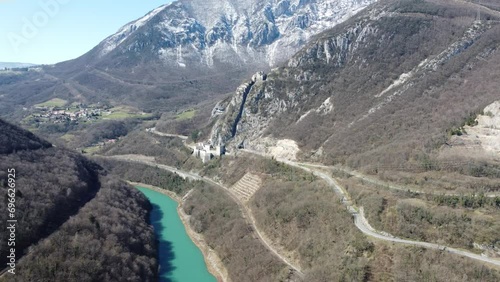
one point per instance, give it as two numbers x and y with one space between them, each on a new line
15 65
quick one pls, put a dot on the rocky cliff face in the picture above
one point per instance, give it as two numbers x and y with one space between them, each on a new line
257 104
371 88
228 31
231 112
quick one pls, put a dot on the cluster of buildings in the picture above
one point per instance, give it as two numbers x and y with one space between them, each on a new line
206 151
56 115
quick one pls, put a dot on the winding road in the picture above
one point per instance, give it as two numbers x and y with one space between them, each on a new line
362 224
357 212
247 215
156 132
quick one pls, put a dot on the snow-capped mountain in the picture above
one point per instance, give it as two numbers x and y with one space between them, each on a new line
187 52
211 32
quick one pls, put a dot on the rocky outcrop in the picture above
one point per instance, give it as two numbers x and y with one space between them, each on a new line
228 125
335 50
479 140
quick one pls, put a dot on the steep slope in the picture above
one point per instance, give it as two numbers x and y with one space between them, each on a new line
47 189
183 53
52 184
383 90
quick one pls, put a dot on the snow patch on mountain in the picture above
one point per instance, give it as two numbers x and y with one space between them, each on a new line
265 32
118 38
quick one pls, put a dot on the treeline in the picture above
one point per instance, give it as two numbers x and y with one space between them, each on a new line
14 139
111 129
87 134
297 211
306 218
168 150
466 201
23 90
283 171
198 126
429 218
442 225
231 170
219 220
423 265
108 240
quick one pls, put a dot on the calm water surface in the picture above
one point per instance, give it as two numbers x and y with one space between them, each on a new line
180 259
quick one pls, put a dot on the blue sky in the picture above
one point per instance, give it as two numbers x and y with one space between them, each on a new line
50 31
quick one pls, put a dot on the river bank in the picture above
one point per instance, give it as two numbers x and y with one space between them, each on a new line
212 260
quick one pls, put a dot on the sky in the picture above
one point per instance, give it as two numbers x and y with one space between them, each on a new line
51 31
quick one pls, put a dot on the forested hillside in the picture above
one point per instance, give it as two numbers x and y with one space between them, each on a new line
108 240
51 185
59 215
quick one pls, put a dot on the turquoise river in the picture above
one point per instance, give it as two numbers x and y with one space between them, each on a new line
180 259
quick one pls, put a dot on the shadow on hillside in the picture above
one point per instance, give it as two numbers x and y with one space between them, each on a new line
166 253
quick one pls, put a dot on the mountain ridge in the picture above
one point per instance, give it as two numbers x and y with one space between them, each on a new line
347 96
232 26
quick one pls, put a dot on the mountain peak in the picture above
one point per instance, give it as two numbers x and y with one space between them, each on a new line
228 31
110 43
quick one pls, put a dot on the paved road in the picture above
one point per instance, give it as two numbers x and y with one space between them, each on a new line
388 185
189 175
362 223
154 131
151 162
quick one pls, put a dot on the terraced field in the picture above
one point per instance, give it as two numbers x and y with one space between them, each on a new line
247 186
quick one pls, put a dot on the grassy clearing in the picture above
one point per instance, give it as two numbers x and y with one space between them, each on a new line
187 115
124 112
68 137
56 102
91 150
